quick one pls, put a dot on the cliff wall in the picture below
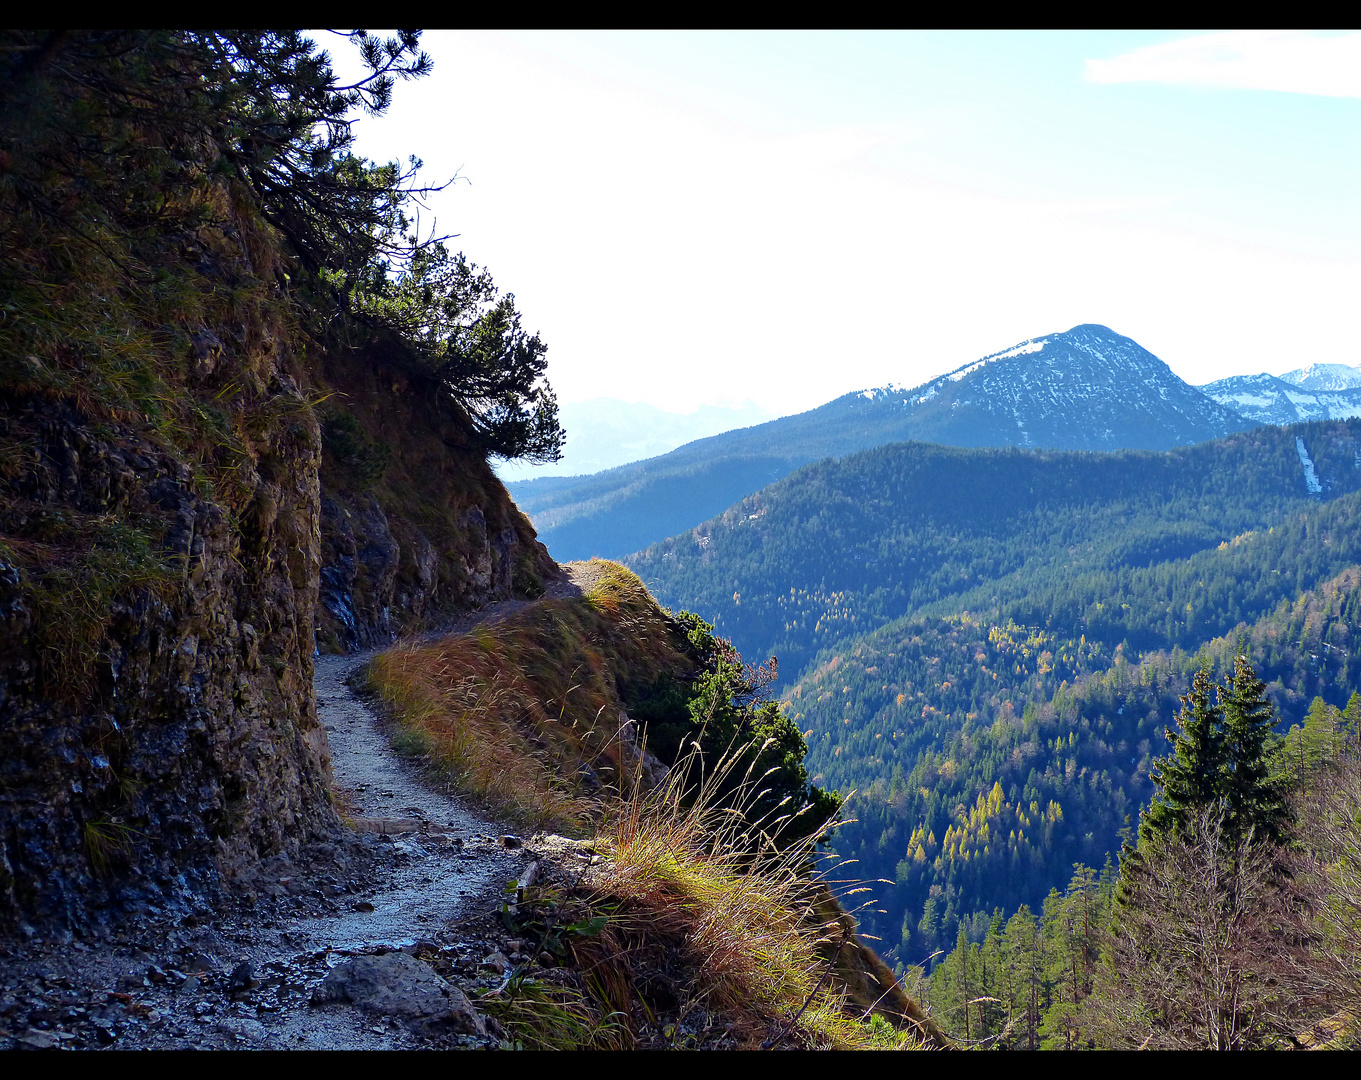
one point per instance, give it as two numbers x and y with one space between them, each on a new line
416 528
196 491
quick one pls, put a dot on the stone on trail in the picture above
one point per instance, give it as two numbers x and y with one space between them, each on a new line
242 979
397 984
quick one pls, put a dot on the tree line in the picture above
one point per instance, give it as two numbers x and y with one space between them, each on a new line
1232 922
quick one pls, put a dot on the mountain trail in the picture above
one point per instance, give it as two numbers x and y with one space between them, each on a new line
415 871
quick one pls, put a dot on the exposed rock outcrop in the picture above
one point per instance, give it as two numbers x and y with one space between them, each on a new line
415 527
154 733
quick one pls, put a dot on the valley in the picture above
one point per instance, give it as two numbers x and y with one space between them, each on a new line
357 694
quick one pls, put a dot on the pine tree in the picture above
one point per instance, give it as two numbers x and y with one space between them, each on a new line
1026 963
1254 800
1321 725
1351 717
1191 776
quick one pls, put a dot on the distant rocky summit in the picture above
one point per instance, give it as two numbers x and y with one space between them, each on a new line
1087 388
1317 392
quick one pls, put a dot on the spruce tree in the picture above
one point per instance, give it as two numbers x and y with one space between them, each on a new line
1254 800
1191 776
1351 717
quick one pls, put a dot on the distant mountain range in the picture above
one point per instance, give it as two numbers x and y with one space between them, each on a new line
1325 377
1318 392
1088 388
603 433
839 547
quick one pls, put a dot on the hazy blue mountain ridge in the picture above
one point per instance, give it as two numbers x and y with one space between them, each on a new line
1271 399
1074 541
1087 389
604 433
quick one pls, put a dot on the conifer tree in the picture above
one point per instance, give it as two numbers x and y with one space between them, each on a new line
1351 717
1026 963
1254 800
1191 776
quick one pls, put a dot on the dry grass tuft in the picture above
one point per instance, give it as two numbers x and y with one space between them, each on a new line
703 933
523 713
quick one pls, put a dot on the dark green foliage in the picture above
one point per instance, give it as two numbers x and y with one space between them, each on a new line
1254 800
1021 983
1194 775
925 717
470 337
723 710
1222 758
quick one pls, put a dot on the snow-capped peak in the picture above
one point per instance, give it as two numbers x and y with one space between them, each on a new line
1324 377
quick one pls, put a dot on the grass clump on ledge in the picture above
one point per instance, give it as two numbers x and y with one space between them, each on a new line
523 713
697 930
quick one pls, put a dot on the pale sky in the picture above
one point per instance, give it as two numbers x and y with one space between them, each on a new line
707 218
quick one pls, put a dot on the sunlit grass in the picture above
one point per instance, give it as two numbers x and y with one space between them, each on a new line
523 713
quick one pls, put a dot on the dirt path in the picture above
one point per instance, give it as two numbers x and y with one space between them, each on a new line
419 873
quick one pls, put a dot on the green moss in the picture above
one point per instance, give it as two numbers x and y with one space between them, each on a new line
71 591
346 441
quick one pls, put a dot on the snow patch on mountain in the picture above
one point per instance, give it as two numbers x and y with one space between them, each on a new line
1325 377
1025 348
1310 477
1267 399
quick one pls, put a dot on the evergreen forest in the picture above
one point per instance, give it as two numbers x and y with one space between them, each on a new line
984 648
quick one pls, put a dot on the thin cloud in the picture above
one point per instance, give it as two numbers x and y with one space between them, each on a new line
1295 62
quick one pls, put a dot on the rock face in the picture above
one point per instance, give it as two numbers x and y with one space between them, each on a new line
157 723
158 729
415 527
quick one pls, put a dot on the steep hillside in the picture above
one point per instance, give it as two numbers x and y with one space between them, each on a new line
990 757
1126 546
1267 399
1086 389
197 446
593 711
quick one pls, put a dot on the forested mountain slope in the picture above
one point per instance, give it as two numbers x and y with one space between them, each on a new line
1087 388
1001 636
1130 547
989 757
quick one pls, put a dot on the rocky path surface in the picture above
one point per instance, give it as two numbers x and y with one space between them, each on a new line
373 941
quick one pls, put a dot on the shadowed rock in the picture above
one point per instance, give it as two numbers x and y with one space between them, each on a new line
397 984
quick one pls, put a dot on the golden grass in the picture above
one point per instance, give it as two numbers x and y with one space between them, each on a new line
695 931
523 712
693 896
